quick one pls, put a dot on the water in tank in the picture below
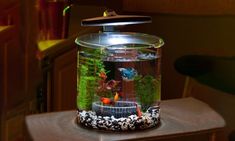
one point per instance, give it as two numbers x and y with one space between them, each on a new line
118 75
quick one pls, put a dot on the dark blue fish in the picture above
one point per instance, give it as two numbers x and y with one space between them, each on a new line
128 74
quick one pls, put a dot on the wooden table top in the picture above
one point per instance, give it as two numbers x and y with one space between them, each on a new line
183 116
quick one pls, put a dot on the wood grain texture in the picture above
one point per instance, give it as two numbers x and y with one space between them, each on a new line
19 68
188 7
12 61
179 117
64 81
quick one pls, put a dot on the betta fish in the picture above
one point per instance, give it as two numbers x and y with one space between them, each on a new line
106 101
128 74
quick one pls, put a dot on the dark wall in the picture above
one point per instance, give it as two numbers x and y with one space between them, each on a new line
208 35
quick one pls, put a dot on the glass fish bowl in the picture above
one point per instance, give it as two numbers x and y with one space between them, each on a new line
118 80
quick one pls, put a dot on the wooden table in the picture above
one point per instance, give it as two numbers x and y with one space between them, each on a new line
179 117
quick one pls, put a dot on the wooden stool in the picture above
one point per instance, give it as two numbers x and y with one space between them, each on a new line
179 117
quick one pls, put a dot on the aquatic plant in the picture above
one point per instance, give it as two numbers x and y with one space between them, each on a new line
92 78
87 78
106 88
90 66
147 90
85 89
100 66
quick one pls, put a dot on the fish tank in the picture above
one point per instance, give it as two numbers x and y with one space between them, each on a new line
118 75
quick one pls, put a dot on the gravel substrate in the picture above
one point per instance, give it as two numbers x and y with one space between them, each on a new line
148 119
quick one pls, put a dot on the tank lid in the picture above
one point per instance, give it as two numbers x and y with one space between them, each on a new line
111 18
119 40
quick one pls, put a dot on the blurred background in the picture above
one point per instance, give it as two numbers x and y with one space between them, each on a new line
38 56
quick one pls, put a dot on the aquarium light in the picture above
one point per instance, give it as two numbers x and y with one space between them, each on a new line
117 40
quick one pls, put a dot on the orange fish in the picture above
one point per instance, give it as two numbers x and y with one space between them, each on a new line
107 101
139 113
103 75
116 97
